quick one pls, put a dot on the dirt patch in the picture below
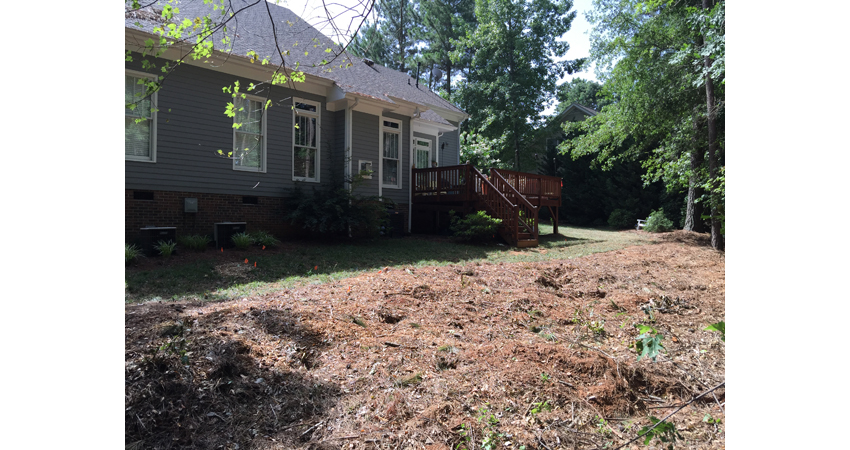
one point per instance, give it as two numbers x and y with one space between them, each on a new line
535 354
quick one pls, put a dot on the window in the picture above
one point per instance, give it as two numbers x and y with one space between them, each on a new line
306 119
249 129
390 153
423 154
139 119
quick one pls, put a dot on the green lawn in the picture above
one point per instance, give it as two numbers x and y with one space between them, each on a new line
199 280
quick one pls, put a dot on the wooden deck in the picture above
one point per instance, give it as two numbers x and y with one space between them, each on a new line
514 197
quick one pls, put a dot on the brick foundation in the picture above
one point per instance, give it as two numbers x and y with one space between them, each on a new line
166 209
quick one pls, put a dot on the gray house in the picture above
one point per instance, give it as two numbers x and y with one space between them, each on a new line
187 166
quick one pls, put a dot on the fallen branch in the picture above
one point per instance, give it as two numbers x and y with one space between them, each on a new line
672 413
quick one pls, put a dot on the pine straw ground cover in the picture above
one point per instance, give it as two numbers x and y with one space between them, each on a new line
477 355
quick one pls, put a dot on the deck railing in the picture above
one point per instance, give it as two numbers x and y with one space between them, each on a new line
446 183
538 187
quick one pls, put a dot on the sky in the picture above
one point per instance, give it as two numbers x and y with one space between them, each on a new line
348 14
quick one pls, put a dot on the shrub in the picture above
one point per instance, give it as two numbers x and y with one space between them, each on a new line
242 240
263 238
165 249
194 242
131 253
334 211
620 218
474 227
656 222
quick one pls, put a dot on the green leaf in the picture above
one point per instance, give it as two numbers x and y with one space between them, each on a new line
720 327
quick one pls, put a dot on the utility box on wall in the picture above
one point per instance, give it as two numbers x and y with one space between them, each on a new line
190 205
222 232
149 236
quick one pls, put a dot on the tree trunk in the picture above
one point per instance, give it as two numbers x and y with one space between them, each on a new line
694 210
716 237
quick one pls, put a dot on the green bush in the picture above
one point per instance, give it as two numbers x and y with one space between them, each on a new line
165 249
242 240
474 227
335 211
263 238
620 219
194 242
131 253
657 223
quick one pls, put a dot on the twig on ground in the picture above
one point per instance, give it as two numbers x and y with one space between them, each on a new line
671 414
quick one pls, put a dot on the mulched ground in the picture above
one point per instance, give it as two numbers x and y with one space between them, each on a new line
469 355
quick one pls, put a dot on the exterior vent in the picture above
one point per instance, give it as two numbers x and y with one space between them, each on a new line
368 62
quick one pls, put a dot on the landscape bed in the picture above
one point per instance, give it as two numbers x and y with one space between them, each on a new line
472 355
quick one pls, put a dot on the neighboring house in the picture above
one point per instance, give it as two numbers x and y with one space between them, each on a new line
552 134
351 118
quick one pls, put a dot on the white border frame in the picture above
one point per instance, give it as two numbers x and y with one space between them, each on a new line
318 116
264 134
154 114
400 132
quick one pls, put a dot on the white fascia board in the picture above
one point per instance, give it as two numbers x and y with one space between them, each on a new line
431 128
229 63
448 114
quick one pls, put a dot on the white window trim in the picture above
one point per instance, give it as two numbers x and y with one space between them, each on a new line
154 104
318 116
416 141
264 134
400 133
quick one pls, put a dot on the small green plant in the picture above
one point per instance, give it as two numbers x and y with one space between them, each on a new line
620 219
264 239
657 223
491 437
131 253
195 242
720 327
464 437
544 377
711 420
602 426
663 431
165 249
537 408
242 240
476 227
648 343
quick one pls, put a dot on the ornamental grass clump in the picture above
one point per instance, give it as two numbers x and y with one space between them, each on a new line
131 253
242 240
166 249
194 242
264 239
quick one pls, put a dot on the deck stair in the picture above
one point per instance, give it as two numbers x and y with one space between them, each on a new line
513 197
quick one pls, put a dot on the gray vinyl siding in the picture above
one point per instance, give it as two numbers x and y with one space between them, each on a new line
450 155
337 149
401 195
364 146
192 127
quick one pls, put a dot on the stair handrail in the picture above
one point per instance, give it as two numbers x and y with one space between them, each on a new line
509 220
522 203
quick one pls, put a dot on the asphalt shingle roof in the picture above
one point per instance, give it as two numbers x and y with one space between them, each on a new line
251 29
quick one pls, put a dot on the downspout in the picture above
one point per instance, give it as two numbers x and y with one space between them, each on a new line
439 133
348 143
348 148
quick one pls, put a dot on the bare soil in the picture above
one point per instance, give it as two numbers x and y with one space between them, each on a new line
462 356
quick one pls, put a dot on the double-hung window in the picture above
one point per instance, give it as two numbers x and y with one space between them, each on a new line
306 120
249 130
390 153
139 118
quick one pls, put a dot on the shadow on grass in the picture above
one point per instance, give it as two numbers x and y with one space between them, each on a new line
220 276
218 394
